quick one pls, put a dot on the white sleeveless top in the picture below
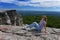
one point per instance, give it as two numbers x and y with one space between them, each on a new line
42 23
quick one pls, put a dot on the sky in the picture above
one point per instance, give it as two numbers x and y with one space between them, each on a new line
33 5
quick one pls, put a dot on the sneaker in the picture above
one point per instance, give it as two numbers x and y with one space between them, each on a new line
28 28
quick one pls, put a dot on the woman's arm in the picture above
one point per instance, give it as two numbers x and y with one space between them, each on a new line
45 28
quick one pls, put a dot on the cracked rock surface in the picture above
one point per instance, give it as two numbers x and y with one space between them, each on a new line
17 33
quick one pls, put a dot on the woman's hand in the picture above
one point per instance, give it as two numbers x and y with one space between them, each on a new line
45 31
45 28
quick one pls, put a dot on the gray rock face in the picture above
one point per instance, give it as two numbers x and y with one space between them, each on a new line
10 17
17 33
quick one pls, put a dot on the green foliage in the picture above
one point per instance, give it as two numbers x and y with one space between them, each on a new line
52 20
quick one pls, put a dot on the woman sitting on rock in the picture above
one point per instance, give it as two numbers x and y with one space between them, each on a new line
40 26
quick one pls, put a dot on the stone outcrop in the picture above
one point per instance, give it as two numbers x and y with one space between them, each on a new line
11 17
17 33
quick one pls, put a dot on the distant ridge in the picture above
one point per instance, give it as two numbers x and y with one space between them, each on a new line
51 13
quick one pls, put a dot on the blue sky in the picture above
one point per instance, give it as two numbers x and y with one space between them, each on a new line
35 5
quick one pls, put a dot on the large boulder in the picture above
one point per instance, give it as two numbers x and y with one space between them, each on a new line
17 33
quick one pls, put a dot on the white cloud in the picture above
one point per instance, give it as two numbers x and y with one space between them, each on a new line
39 3
50 3
46 3
43 0
7 1
35 3
21 3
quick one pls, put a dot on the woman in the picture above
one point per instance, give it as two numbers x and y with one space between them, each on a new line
41 25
